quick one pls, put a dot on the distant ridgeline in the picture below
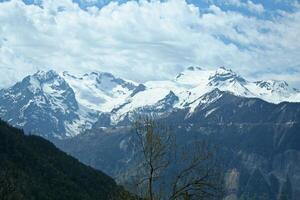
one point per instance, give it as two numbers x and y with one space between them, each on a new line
33 168
61 105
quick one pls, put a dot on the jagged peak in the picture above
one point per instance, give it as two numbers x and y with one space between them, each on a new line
104 81
171 95
38 79
224 70
169 100
272 83
192 68
139 88
99 74
223 74
279 87
193 76
51 79
45 75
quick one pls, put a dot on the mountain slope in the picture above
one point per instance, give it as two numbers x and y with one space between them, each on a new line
44 103
33 168
258 143
100 91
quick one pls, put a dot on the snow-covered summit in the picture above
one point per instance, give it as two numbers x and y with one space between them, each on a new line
69 104
45 75
274 91
273 85
43 103
194 82
194 76
50 83
225 76
201 81
99 90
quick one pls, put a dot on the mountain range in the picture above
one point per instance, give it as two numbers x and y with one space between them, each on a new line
64 105
254 124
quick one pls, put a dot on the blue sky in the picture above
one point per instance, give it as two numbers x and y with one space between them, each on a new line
269 5
136 39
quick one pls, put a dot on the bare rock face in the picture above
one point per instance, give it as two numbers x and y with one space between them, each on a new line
232 184
42 104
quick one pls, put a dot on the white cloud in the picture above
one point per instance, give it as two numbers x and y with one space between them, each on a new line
141 40
255 7
248 4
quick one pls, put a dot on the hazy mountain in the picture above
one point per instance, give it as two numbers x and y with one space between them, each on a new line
258 143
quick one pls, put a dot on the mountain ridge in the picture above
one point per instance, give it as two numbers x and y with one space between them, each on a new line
72 104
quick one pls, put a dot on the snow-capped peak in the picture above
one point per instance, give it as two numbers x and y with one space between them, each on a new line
45 75
70 103
100 91
223 75
44 81
193 76
199 81
192 68
273 85
43 103
224 70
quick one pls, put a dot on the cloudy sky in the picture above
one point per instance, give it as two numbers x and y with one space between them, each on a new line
146 40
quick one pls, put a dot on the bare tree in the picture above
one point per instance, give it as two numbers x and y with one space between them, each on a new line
152 143
166 170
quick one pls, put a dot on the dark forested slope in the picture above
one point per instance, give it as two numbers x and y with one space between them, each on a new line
33 168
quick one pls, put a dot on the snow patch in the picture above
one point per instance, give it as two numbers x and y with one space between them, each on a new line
210 112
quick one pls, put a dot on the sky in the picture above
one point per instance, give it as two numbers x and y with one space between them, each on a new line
150 40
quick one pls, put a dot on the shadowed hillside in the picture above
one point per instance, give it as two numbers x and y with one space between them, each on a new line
33 168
